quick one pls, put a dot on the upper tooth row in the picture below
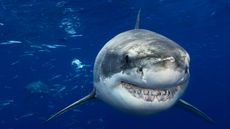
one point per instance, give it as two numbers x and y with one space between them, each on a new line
150 92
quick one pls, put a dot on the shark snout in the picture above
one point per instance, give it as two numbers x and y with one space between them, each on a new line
164 78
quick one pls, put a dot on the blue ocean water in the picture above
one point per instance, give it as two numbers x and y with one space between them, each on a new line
48 48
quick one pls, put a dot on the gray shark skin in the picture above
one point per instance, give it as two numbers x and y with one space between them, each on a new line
142 72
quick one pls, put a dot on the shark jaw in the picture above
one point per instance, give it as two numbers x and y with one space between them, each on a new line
138 99
152 95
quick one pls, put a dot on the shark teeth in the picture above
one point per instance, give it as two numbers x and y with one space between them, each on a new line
151 95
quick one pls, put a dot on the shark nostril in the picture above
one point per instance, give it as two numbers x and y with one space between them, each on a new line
140 70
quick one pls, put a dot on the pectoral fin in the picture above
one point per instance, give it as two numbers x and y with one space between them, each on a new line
195 110
73 105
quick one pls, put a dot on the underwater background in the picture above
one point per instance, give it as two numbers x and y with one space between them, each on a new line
48 48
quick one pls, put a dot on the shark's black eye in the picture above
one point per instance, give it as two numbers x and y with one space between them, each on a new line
140 69
186 69
127 59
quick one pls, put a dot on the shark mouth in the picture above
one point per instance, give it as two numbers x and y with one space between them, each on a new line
151 95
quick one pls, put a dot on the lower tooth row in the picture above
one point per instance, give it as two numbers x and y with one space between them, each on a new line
151 95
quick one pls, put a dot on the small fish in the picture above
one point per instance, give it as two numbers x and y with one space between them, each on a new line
44 51
11 42
15 62
56 76
61 89
53 46
36 46
6 102
24 116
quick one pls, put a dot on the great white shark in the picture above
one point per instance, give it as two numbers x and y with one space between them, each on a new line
141 72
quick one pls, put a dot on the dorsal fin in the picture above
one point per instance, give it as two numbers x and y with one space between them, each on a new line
138 20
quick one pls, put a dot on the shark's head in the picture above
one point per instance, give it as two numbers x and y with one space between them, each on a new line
141 71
